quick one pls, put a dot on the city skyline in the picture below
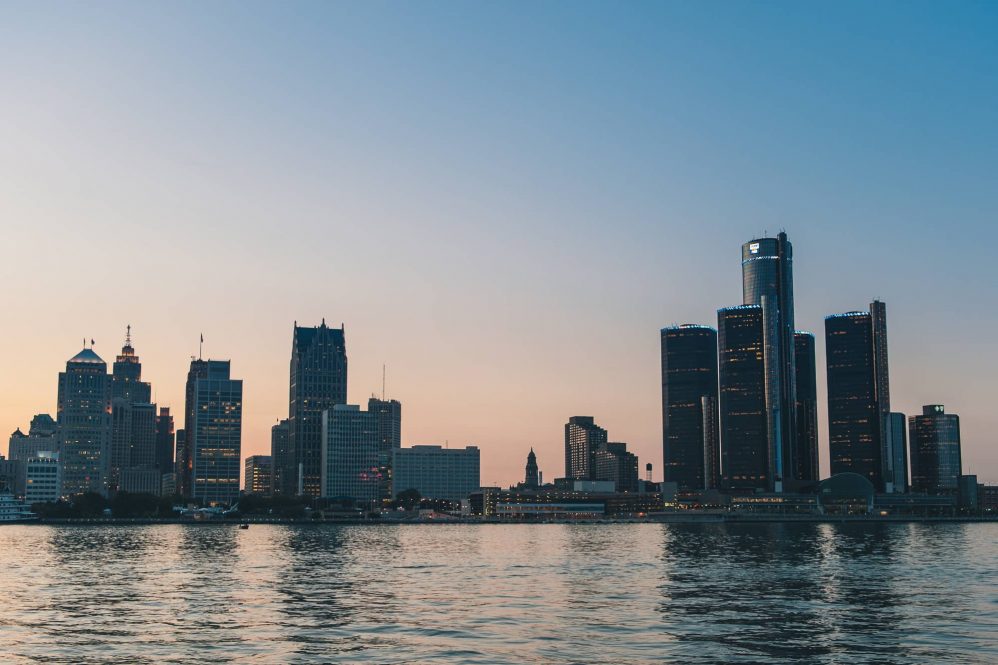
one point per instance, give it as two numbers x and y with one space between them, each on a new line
508 227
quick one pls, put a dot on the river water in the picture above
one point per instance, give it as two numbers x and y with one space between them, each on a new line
614 593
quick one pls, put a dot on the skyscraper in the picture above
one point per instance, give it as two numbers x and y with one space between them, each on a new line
258 474
279 454
389 415
583 437
767 281
43 436
133 416
318 382
747 454
532 476
185 437
612 462
164 441
85 423
689 406
897 445
350 454
215 440
936 461
805 456
858 397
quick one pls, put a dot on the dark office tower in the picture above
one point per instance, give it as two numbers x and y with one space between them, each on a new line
133 429
185 455
747 457
805 455
531 480
689 406
84 423
389 418
767 281
179 460
279 454
897 446
614 463
215 440
583 437
164 441
858 399
318 381
936 463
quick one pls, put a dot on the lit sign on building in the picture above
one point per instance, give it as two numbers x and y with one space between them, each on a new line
753 248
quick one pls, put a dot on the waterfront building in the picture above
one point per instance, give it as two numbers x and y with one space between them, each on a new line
350 454
583 437
689 407
84 423
215 438
258 474
10 475
280 452
185 453
532 475
805 455
748 458
389 414
133 416
614 464
42 478
42 436
897 450
858 395
936 461
767 281
141 480
164 441
318 382
437 473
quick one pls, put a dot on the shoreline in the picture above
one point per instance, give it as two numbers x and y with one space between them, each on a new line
653 519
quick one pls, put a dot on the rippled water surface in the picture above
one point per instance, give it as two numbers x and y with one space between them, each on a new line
626 593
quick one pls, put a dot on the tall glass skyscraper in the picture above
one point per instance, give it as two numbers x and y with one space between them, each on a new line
280 448
689 407
350 453
767 281
215 440
858 396
936 461
133 416
318 382
748 460
805 455
84 424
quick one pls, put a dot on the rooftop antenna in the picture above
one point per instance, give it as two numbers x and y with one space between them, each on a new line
201 346
128 335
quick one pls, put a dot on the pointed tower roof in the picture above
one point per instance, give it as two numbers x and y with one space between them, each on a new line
87 356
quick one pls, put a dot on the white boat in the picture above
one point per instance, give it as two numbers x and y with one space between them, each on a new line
12 510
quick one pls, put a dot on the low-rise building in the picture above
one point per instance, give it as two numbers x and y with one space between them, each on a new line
42 478
436 472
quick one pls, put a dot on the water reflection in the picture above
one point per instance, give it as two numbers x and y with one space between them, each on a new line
823 593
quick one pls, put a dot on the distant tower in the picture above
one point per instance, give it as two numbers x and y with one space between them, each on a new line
583 437
532 479
648 472
133 416
805 457
936 461
318 382
84 423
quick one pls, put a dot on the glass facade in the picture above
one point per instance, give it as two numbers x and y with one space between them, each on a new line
767 281
689 407
805 456
746 460
583 437
279 453
85 424
351 454
318 382
216 439
936 461
438 473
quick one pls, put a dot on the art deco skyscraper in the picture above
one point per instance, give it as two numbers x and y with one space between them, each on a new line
858 396
531 478
689 407
318 382
767 281
748 459
84 423
805 456
133 416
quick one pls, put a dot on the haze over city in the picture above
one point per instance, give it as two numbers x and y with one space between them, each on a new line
502 206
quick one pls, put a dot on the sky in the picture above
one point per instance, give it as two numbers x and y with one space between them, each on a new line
502 202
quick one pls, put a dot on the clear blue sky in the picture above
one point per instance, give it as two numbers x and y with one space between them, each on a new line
504 202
